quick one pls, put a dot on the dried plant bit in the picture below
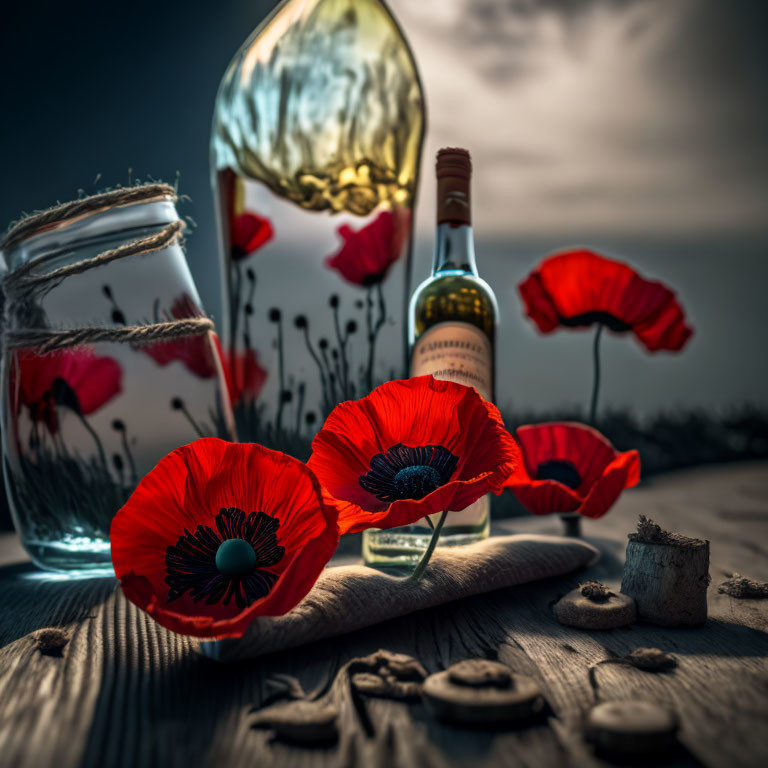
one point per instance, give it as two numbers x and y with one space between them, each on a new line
744 588
299 722
51 641
387 686
481 673
632 727
282 686
576 609
595 591
651 660
486 705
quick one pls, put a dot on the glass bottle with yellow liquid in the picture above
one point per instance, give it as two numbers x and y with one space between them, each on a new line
315 154
452 323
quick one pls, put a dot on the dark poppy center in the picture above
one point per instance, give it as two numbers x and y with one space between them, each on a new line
403 472
235 557
416 482
226 562
591 318
562 471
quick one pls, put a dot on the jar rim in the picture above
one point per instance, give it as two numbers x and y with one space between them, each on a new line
69 213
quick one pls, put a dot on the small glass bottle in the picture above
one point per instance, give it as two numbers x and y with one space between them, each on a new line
452 324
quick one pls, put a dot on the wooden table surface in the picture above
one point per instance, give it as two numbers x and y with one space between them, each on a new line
128 693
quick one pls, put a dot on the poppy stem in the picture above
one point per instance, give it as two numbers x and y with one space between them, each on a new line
99 446
424 562
571 525
596 377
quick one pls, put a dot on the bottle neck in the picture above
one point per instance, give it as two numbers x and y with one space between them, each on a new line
454 249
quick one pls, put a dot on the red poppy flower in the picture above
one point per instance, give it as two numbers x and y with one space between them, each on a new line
75 378
195 352
219 533
367 254
409 449
245 377
248 233
578 288
569 467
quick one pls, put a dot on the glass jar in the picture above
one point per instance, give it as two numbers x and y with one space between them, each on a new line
315 155
82 425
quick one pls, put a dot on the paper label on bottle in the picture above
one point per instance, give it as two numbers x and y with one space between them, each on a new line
455 351
460 352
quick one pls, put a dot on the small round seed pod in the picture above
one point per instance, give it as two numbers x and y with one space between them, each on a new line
299 722
481 693
635 727
592 606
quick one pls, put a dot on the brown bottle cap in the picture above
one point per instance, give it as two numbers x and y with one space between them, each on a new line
453 161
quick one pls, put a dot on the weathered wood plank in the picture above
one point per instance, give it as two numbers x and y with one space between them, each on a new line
127 693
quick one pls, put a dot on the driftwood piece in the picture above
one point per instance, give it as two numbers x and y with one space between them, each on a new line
667 575
348 598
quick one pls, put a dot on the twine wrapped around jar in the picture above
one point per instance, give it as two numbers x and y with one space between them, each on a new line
22 285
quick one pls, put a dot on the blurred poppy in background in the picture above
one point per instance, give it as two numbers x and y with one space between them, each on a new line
367 254
580 288
74 378
570 467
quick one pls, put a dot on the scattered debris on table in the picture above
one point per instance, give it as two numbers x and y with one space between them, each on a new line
51 641
744 588
647 659
387 675
300 722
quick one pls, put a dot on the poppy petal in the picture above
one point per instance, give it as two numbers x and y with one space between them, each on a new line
195 499
414 413
623 472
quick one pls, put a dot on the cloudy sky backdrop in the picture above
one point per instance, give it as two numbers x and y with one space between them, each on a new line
634 126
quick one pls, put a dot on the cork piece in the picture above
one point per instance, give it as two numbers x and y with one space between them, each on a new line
299 722
667 575
632 727
51 642
387 675
592 606
517 697
744 588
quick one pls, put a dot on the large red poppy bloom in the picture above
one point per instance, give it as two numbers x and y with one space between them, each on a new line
578 288
218 533
195 352
245 377
248 233
409 449
570 467
75 378
368 253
